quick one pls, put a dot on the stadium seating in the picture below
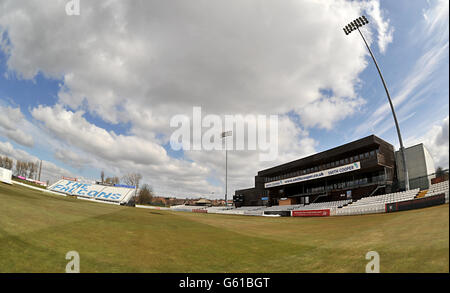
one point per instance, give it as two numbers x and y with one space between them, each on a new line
93 191
365 205
438 188
326 205
374 204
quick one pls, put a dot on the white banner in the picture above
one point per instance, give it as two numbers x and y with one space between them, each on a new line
316 175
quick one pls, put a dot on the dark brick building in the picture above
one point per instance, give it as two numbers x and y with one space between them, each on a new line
353 170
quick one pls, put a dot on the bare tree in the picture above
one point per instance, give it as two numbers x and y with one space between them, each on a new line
102 176
112 180
25 169
32 169
132 179
145 195
6 162
115 180
21 168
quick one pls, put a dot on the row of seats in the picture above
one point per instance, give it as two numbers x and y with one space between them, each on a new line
365 205
284 208
439 188
374 204
371 208
387 198
326 205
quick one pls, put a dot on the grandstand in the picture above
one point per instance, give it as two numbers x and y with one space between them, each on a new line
111 194
365 205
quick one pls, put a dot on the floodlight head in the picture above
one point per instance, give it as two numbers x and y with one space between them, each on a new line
355 24
365 19
348 29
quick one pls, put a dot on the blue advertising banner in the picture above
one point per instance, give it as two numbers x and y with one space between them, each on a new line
125 186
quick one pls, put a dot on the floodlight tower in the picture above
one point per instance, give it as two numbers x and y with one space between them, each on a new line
224 136
355 25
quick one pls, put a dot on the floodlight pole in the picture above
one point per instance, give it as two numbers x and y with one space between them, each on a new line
224 136
355 25
226 173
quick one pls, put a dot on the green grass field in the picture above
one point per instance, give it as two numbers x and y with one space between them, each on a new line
38 229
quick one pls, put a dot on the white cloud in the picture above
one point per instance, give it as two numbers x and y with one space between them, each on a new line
293 143
436 19
142 63
118 154
72 128
11 122
325 112
117 59
436 140
385 32
71 158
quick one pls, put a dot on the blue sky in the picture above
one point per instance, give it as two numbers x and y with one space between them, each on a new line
114 79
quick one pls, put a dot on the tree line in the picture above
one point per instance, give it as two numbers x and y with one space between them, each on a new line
6 163
27 169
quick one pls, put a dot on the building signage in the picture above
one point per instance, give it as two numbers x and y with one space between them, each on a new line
125 186
316 175
264 198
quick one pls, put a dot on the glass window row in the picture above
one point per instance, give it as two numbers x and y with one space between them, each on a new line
330 165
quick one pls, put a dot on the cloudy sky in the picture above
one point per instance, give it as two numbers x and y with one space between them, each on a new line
97 91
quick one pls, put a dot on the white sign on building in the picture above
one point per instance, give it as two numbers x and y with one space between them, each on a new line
316 175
